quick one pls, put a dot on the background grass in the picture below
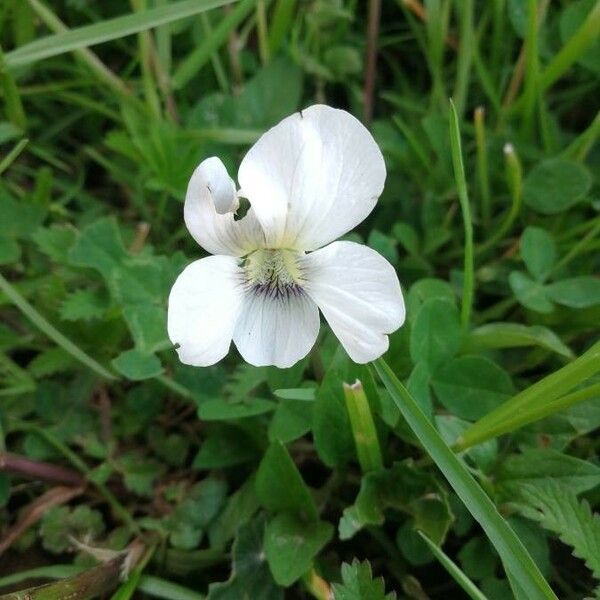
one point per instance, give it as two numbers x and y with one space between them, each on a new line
234 481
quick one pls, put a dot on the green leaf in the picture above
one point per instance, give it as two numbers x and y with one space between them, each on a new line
331 426
535 466
358 584
538 251
291 545
515 557
107 30
280 487
137 365
478 558
423 290
60 524
226 446
404 488
292 420
436 333
55 242
514 335
555 184
250 576
471 386
576 292
303 394
83 305
556 508
222 410
531 294
148 326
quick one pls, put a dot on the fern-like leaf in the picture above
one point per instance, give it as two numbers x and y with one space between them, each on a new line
558 509
358 584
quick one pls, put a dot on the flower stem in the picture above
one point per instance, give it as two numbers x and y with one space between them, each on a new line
363 427
461 186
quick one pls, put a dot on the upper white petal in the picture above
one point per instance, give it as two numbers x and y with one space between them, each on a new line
312 177
208 211
276 331
359 294
204 305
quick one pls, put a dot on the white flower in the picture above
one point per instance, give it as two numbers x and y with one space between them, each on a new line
310 179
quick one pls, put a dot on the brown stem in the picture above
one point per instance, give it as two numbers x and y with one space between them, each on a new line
35 511
371 58
32 469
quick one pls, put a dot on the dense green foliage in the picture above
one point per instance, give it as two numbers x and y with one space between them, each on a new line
233 481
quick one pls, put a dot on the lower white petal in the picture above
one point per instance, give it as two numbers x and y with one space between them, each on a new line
276 331
204 305
359 294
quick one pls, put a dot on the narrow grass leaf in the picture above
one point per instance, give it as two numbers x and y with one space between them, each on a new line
509 547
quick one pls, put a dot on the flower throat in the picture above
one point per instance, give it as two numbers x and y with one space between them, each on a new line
274 273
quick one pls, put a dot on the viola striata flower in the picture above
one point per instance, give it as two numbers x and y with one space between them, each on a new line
309 180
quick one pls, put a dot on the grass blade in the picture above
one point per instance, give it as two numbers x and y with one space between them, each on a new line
534 398
44 326
461 186
465 583
105 31
512 552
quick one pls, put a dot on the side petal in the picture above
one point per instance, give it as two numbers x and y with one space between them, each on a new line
210 203
359 295
204 305
276 331
312 177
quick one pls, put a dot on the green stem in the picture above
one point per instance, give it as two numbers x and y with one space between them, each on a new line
10 158
514 180
482 165
363 427
461 185
45 327
577 249
10 96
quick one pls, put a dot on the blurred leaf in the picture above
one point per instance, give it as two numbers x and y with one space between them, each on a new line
292 420
530 293
137 365
436 334
571 19
538 251
291 544
60 524
471 386
226 446
222 410
536 466
514 335
403 488
279 486
554 185
83 305
250 576
576 292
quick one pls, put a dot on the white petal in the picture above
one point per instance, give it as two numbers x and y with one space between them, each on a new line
276 331
359 294
204 305
312 177
209 204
